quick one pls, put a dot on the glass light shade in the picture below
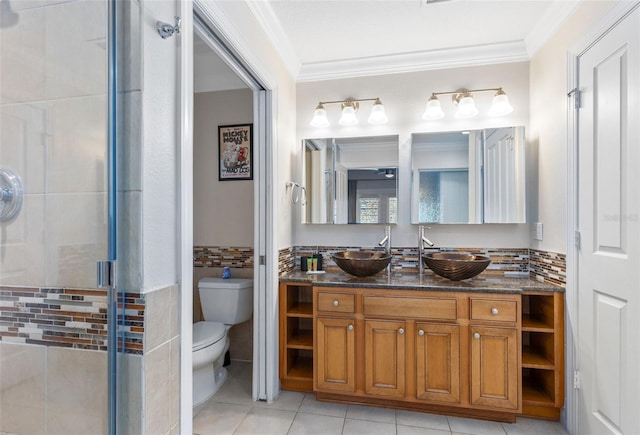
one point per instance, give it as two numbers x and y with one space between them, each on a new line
433 111
500 105
466 108
348 116
377 114
320 117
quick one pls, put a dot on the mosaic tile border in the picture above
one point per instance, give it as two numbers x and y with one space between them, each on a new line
72 318
549 267
286 260
221 256
406 259
544 266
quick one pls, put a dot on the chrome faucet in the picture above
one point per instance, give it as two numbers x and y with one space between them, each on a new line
386 242
422 241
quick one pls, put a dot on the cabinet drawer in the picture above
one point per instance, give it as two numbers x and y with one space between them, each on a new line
407 307
498 310
336 302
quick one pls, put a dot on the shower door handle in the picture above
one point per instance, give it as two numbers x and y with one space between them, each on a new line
105 273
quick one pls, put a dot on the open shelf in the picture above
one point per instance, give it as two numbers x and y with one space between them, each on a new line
301 309
534 324
301 339
533 359
300 364
542 354
538 387
538 312
296 336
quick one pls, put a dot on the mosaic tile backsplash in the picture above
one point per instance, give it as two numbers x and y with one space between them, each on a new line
540 265
220 256
73 318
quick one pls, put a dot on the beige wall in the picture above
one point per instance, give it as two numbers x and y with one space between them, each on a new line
549 122
266 62
404 97
222 210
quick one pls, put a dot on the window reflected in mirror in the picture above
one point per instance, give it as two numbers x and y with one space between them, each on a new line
351 180
475 176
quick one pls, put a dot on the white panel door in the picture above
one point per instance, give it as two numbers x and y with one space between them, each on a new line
608 219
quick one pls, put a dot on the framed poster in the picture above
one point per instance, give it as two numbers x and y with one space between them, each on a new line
235 152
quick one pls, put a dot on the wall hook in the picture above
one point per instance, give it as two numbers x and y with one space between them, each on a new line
167 30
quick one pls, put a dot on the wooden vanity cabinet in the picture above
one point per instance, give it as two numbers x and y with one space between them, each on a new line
495 351
416 350
335 332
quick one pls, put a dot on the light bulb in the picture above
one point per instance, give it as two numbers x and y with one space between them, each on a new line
466 108
378 116
348 115
319 117
500 104
433 110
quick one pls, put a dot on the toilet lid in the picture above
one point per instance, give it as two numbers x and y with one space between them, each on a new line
207 333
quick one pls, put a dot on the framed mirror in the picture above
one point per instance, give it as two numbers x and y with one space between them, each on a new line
473 176
351 180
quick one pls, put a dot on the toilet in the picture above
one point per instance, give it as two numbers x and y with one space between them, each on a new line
225 302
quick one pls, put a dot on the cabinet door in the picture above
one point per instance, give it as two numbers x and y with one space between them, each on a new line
494 367
385 358
438 362
335 357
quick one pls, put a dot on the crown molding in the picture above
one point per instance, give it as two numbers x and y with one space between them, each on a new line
263 12
557 13
476 55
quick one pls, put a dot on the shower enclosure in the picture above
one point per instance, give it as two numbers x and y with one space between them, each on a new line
67 84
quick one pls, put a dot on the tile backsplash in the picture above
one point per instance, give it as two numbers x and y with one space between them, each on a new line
221 256
541 265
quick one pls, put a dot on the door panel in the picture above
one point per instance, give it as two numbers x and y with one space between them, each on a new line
438 362
385 358
494 367
608 210
335 360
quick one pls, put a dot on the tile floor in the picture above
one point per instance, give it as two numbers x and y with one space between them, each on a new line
231 411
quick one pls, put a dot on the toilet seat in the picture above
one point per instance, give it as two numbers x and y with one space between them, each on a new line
207 333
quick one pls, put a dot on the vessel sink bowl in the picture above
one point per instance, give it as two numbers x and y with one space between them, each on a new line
456 266
362 263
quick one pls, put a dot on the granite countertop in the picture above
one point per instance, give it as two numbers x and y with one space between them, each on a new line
486 282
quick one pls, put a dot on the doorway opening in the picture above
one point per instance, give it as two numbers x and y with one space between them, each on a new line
228 218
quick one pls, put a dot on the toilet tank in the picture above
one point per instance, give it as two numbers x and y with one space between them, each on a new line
228 301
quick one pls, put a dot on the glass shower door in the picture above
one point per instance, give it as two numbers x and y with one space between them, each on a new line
58 135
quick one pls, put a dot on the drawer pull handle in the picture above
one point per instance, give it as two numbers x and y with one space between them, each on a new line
350 327
421 332
494 311
476 335
335 303
400 331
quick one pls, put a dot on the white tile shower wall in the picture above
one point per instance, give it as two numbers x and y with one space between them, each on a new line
52 390
53 136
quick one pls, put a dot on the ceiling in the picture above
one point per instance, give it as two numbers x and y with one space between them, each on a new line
324 39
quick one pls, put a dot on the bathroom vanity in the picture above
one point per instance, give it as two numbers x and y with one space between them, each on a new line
490 347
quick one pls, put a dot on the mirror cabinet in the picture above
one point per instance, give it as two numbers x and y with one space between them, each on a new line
351 180
457 177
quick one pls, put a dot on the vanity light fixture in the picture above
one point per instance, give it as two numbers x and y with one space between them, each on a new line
349 108
466 107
